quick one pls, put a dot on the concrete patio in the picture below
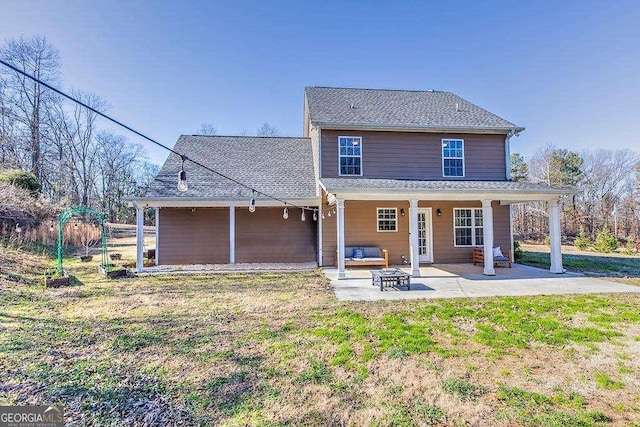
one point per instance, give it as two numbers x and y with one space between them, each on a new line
467 281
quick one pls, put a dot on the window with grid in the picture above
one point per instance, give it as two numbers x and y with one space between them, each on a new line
350 155
387 219
468 227
452 157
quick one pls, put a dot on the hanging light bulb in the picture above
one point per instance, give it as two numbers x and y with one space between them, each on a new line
302 217
252 203
334 211
323 215
18 228
182 178
51 225
329 213
315 215
285 213
75 225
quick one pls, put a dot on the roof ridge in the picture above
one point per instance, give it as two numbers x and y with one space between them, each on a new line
383 89
247 136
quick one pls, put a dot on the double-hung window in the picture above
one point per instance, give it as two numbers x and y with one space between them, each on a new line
350 155
452 157
387 219
468 227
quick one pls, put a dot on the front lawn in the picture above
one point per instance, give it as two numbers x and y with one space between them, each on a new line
275 349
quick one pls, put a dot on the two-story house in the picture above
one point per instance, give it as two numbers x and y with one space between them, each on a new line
423 174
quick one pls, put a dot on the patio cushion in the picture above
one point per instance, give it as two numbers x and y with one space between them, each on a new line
497 252
371 259
358 253
372 252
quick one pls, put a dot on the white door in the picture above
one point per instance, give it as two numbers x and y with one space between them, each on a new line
425 235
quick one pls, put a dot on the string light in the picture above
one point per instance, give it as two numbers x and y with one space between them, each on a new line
75 225
285 213
182 177
302 217
252 203
18 228
315 215
51 225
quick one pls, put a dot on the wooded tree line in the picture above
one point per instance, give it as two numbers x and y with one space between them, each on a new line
608 193
75 160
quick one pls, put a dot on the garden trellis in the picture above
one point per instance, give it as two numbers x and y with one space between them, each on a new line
65 216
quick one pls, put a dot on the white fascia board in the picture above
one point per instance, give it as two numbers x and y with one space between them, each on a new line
194 202
452 195
450 129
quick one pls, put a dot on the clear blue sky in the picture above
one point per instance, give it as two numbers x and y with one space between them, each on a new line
568 71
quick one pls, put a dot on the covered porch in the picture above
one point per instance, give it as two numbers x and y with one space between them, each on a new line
488 199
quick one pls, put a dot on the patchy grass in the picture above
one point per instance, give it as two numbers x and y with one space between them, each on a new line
621 268
278 349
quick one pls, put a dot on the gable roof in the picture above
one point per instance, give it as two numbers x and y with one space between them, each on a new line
280 167
399 109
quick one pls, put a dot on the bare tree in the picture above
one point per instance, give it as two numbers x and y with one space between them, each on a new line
36 57
267 130
208 129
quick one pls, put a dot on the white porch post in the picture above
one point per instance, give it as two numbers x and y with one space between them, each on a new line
413 238
139 238
319 216
554 237
340 220
487 220
157 234
232 234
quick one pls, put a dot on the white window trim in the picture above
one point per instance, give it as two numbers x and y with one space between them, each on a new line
378 219
464 172
473 228
340 156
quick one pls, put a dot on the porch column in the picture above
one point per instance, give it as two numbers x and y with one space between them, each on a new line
340 221
319 216
413 238
139 238
555 238
487 220
232 234
157 234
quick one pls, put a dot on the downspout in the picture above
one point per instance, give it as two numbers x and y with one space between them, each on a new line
507 156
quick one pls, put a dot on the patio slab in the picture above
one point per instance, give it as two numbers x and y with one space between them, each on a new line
467 281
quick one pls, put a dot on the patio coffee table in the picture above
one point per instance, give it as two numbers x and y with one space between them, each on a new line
390 277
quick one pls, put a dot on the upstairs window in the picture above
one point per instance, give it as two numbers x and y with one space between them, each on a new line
387 219
350 155
452 157
468 227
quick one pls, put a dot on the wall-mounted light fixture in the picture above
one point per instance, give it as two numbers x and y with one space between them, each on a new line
401 211
439 212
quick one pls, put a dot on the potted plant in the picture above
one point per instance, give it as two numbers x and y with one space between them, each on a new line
54 278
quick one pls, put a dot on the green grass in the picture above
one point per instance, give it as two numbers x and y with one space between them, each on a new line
278 349
588 263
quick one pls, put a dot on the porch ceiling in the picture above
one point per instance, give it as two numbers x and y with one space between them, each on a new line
507 192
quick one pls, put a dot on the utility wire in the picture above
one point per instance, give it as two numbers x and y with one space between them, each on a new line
140 134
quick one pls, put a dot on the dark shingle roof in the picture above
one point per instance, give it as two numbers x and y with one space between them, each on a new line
399 109
370 184
280 167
